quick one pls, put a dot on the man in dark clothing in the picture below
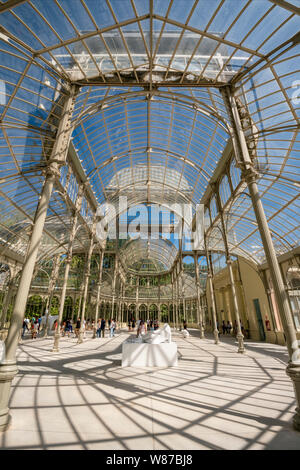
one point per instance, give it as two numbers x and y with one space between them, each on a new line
78 325
102 327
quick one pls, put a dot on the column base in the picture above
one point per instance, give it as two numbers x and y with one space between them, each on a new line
216 335
56 343
296 420
293 371
8 371
241 347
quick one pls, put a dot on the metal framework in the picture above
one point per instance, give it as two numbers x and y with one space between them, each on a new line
145 91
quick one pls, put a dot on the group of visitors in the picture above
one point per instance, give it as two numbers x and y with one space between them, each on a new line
32 326
101 326
142 327
66 328
228 328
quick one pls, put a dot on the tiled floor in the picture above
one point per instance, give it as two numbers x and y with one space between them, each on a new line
81 398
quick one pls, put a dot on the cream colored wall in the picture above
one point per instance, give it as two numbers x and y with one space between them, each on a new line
253 289
285 265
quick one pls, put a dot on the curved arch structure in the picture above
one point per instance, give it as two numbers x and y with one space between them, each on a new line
161 105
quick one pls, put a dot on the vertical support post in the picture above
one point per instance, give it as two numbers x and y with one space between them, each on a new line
67 268
250 176
173 309
137 298
198 304
114 287
212 296
52 284
177 301
159 306
86 281
122 304
8 367
80 298
98 293
239 336
183 293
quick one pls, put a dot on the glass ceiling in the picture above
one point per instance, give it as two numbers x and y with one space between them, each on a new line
135 254
149 119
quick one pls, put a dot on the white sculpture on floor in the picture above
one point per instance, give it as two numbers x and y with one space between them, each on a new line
51 320
154 349
158 336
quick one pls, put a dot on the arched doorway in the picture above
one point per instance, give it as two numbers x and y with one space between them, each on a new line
131 311
107 314
153 312
125 313
54 306
164 313
68 308
171 314
101 310
143 312
34 307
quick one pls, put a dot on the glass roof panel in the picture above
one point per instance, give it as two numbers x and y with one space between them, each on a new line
128 126
149 119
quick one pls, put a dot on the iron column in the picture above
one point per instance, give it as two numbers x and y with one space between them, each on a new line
8 367
250 176
67 269
98 292
52 284
86 281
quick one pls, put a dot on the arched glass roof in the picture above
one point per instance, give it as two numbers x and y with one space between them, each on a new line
149 119
150 143
152 256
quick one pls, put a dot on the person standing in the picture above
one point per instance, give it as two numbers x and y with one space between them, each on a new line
24 328
27 321
35 328
77 328
99 328
102 327
143 328
68 327
112 328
